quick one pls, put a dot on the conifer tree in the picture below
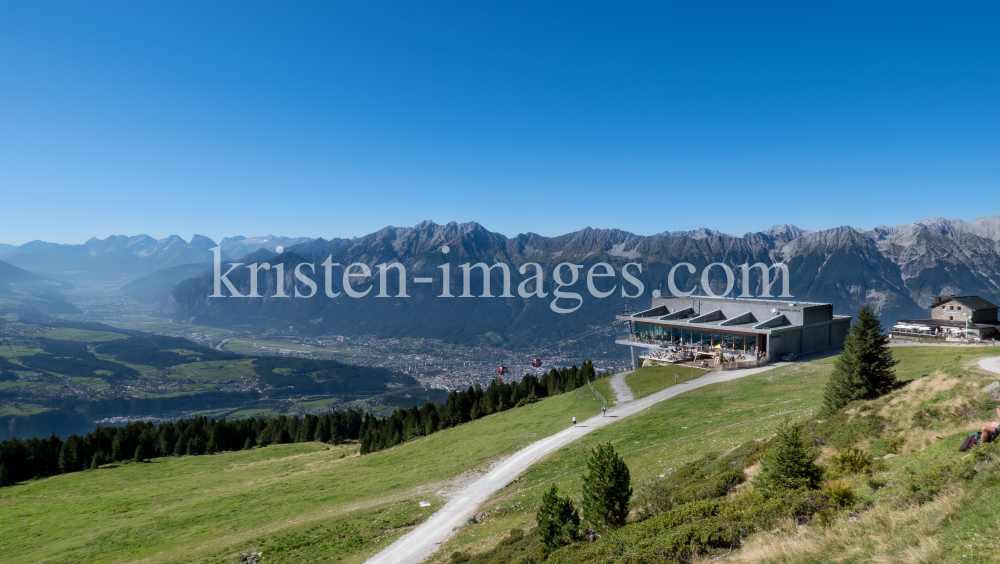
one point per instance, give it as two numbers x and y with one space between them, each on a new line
117 451
558 521
606 489
248 444
68 456
140 454
788 464
4 476
865 370
322 433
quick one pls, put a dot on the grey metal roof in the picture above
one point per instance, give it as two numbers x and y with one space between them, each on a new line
971 302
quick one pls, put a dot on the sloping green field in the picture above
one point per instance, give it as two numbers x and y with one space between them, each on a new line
720 417
301 501
315 503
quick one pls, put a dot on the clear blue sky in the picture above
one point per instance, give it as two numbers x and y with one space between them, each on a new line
338 118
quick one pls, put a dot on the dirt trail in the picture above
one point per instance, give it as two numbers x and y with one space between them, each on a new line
423 541
622 392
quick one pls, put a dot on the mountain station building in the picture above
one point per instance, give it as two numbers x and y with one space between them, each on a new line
955 317
740 326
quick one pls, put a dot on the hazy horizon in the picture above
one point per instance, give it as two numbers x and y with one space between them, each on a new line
220 238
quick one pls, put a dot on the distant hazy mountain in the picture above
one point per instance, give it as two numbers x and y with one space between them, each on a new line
117 258
26 292
155 288
123 259
240 246
5 249
898 270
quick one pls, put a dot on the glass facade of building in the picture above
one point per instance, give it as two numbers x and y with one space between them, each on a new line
664 335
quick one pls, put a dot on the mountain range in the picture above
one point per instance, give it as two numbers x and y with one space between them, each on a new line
898 270
124 258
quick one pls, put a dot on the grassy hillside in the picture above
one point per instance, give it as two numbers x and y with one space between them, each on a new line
655 378
314 503
297 503
719 418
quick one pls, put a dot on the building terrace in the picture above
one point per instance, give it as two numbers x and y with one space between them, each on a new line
738 326
953 317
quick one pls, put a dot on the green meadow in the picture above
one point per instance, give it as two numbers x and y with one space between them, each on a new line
300 502
311 502
83 335
655 378
23 409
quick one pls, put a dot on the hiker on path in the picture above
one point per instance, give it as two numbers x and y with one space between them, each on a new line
604 411
574 421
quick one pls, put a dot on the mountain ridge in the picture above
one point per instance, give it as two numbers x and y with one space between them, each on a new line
897 270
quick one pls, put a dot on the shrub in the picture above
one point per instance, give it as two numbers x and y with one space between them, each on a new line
698 527
708 477
525 401
985 451
923 485
851 460
840 494
895 444
516 548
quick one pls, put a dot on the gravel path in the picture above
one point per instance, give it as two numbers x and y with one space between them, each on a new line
623 393
953 345
992 364
423 541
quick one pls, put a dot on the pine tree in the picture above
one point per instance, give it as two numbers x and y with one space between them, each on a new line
322 433
558 521
788 464
67 456
248 444
117 449
140 454
865 370
97 460
4 476
606 490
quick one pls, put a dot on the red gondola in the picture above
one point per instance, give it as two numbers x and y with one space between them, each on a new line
502 370
536 363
